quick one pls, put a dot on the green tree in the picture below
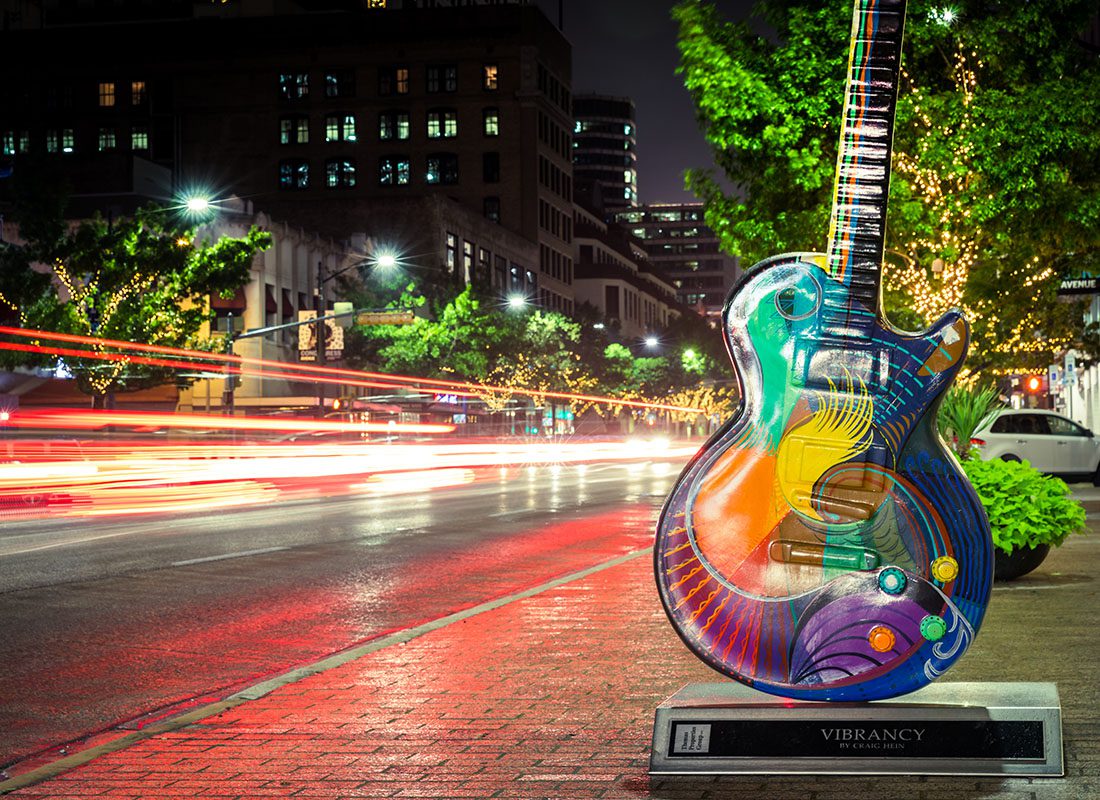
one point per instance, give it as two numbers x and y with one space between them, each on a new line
141 279
463 340
997 155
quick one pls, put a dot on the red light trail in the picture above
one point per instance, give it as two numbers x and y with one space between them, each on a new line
315 373
82 419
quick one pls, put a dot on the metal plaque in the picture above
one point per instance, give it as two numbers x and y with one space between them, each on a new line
942 729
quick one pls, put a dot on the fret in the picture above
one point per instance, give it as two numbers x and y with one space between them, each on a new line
872 101
871 172
877 78
876 152
868 129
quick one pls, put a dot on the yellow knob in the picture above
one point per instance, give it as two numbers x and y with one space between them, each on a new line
945 569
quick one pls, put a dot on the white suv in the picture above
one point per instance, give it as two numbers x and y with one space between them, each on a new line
1049 442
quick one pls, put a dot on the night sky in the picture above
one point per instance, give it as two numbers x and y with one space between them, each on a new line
628 48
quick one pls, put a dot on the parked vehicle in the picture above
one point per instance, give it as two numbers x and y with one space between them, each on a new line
1048 441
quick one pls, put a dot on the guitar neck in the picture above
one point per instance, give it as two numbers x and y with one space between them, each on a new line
857 227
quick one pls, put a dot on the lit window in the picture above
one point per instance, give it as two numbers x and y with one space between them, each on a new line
9 143
294 85
106 139
53 141
340 173
67 141
137 92
452 252
401 80
627 130
340 128
294 130
393 170
24 142
106 94
442 124
340 83
139 138
491 119
293 174
393 125
442 168
489 77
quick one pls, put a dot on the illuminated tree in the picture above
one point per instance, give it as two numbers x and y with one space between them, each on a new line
996 179
140 279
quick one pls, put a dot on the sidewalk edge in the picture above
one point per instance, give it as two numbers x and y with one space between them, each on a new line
62 765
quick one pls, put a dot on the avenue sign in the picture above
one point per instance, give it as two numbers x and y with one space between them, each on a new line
1070 287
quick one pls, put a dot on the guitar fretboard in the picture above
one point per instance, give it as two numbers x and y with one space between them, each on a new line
857 227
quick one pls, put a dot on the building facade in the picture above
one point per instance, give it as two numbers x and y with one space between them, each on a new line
316 113
605 148
614 277
676 240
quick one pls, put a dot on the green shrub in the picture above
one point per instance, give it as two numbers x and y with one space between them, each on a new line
1025 507
963 409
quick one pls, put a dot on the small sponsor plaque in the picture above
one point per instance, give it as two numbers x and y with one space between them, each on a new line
691 738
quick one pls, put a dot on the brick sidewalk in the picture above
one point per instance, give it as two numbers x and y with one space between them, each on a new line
553 697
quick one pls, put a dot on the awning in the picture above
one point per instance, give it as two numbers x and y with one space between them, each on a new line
234 303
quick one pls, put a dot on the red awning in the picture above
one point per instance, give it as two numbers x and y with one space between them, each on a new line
234 303
272 303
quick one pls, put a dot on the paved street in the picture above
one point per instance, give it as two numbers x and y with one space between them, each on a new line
118 623
550 694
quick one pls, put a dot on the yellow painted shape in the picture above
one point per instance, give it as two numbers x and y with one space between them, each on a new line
830 436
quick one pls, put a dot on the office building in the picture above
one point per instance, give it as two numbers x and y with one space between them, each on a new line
317 113
678 242
605 148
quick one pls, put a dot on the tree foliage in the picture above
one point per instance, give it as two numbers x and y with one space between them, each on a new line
141 279
997 154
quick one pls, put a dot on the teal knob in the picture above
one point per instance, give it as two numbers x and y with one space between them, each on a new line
892 580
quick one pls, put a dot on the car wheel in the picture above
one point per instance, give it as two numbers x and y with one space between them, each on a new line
1010 457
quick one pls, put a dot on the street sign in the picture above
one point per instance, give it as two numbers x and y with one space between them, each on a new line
1082 285
404 317
307 338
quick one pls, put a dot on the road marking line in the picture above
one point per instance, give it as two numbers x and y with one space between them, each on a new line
62 765
241 554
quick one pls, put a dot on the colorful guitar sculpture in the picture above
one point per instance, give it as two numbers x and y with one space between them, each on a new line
823 544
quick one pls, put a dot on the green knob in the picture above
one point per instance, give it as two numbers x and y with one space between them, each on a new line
933 628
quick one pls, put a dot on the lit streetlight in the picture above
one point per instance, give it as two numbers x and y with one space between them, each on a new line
651 341
517 301
386 261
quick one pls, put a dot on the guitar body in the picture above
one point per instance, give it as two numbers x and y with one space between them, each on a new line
823 544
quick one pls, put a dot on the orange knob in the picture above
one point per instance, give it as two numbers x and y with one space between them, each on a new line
881 639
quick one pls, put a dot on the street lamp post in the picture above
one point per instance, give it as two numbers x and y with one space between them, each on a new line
321 335
230 377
